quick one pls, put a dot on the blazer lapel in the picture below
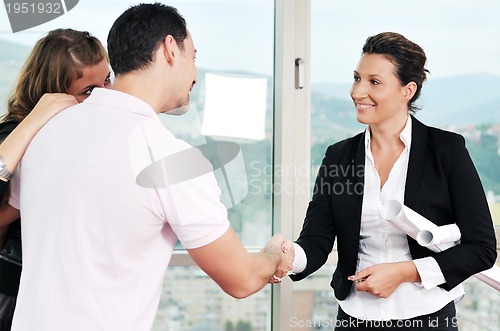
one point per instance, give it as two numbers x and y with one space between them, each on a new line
359 182
417 159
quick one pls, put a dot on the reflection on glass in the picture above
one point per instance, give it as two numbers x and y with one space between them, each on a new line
235 107
234 132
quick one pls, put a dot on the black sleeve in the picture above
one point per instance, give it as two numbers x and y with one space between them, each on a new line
318 233
477 249
3 186
5 129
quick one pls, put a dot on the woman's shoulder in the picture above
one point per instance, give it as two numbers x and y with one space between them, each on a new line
347 144
345 150
438 135
444 137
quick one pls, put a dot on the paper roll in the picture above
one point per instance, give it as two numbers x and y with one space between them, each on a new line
428 234
440 235
420 228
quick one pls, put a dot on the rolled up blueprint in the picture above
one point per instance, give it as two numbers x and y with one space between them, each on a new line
426 233
439 235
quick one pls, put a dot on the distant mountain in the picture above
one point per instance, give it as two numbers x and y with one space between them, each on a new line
332 118
461 100
12 58
13 52
335 90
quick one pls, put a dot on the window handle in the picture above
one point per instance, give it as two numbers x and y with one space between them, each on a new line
299 73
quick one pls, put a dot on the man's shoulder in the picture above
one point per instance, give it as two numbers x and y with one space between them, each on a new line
106 98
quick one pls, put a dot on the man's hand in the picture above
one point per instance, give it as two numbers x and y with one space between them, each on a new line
238 272
285 251
383 279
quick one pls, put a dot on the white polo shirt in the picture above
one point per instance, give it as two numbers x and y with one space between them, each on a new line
97 240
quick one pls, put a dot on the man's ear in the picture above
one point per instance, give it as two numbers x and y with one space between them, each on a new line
409 91
169 48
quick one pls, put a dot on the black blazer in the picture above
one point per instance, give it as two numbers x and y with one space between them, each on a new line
10 251
442 185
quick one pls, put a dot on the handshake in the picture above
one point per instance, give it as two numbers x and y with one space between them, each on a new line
282 252
240 273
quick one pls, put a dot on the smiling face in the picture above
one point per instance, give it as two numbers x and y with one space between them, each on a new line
377 92
97 75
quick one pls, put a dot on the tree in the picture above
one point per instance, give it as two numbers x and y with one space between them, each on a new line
243 326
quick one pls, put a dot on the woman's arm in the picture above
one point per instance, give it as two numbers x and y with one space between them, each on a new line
477 249
13 147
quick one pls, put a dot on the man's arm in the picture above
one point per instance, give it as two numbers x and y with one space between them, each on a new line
238 272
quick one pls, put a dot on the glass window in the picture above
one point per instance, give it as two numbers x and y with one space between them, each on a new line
460 95
230 119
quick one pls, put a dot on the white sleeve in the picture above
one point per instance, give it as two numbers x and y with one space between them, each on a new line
300 260
430 272
185 187
194 211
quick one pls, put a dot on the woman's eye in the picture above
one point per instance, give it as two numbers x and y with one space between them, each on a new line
88 91
356 78
375 82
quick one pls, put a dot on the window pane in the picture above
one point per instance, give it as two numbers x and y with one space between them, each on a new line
193 302
460 95
233 105
231 112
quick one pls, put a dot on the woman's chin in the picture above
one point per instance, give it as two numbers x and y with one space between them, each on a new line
361 118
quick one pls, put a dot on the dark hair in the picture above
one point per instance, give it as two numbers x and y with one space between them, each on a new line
139 31
54 63
408 57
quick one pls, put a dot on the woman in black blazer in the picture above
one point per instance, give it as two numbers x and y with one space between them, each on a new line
383 277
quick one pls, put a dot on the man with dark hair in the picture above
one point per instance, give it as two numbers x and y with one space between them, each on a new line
103 212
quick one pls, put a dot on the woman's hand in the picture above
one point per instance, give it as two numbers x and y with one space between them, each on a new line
51 104
288 255
383 279
13 147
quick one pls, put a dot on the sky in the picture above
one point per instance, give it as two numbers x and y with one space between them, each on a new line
459 36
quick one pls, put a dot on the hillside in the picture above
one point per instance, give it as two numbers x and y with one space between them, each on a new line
12 58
